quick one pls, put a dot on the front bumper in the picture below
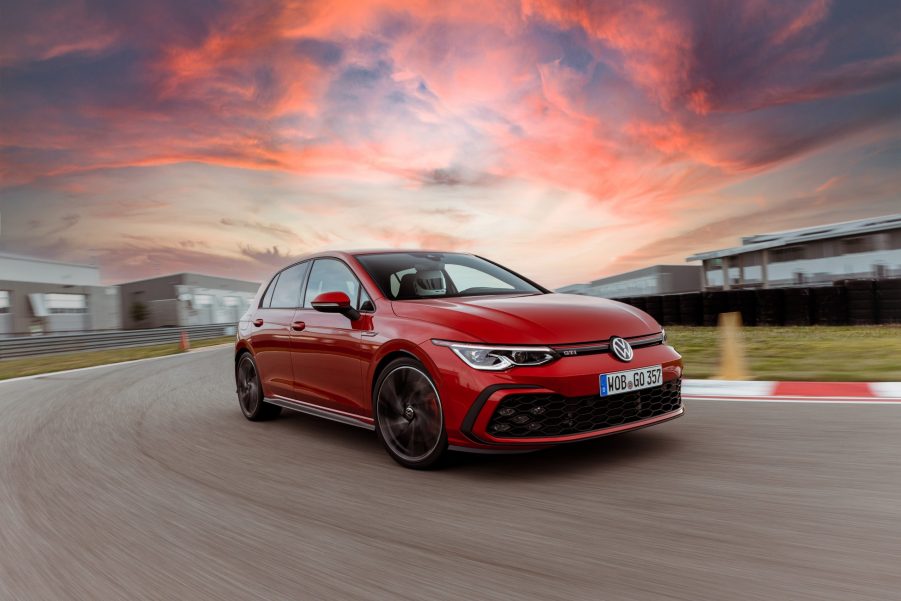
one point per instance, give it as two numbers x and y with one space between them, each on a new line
471 398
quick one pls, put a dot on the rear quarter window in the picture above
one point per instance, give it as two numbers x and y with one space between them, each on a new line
267 297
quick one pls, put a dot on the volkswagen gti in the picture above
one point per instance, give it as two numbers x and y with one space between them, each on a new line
440 351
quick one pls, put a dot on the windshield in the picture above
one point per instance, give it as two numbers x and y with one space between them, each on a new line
406 276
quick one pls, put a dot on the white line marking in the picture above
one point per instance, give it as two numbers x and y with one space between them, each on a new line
78 369
714 388
886 389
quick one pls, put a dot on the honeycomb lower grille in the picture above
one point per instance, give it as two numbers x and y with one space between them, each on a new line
535 415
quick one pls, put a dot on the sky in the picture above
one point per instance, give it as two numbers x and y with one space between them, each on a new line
566 139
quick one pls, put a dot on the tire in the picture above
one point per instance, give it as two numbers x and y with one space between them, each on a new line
250 391
409 417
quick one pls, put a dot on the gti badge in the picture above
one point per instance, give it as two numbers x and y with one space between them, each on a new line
621 348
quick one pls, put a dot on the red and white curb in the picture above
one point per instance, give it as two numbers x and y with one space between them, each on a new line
793 392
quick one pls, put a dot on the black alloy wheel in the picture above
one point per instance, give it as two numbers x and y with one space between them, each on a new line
250 392
409 416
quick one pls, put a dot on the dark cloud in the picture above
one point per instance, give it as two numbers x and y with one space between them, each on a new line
271 257
272 229
443 177
65 222
323 52
790 135
452 177
193 244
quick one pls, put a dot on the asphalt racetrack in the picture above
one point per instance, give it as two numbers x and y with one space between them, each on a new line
144 481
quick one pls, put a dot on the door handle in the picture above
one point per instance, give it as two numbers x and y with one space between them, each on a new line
297 326
257 322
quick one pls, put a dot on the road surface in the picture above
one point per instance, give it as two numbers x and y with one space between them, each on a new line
144 481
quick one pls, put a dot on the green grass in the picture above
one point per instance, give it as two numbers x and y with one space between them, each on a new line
819 353
29 366
816 353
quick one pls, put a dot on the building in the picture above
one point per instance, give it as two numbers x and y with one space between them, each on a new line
184 299
865 248
38 296
658 279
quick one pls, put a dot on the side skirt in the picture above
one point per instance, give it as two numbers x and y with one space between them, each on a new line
478 451
331 414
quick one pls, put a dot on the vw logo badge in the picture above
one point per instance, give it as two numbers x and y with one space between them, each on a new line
621 348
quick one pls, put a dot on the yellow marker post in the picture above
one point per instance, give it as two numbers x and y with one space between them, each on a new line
733 365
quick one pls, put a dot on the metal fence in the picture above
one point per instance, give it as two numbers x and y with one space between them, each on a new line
848 302
91 341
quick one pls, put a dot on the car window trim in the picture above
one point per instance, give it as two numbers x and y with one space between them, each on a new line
271 286
303 298
360 294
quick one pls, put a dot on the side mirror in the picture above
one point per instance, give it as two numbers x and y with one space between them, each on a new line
335 302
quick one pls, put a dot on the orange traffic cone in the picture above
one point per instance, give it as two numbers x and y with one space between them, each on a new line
184 344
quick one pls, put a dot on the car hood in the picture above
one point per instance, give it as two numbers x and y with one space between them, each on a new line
532 319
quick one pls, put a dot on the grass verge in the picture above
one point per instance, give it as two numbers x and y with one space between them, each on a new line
814 353
817 353
29 366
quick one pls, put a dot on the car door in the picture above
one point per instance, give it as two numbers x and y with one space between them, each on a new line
328 366
272 338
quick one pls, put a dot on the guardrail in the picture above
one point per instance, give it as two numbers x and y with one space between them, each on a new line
91 341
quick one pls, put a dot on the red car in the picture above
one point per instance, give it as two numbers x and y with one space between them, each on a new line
440 351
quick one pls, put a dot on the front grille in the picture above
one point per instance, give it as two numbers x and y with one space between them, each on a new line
594 348
528 415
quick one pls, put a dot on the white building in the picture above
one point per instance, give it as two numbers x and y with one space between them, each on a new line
658 279
40 296
185 299
865 248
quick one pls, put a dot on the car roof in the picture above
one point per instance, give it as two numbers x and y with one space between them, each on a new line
347 254
344 254
379 251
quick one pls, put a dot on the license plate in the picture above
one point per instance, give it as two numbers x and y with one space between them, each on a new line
633 379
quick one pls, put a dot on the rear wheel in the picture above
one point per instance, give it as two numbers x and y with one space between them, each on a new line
250 392
409 416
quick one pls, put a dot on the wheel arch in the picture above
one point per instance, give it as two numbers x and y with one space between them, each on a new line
398 350
383 363
240 350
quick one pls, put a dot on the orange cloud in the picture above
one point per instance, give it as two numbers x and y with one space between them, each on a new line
630 113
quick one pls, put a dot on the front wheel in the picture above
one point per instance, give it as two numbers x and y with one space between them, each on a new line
250 392
409 416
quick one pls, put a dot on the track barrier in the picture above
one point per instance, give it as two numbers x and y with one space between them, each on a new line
47 344
846 302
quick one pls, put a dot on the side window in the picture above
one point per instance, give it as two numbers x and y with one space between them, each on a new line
267 298
365 303
331 275
287 288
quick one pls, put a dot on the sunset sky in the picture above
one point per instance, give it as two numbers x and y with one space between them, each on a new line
568 140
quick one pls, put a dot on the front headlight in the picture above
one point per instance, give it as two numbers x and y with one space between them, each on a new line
497 358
